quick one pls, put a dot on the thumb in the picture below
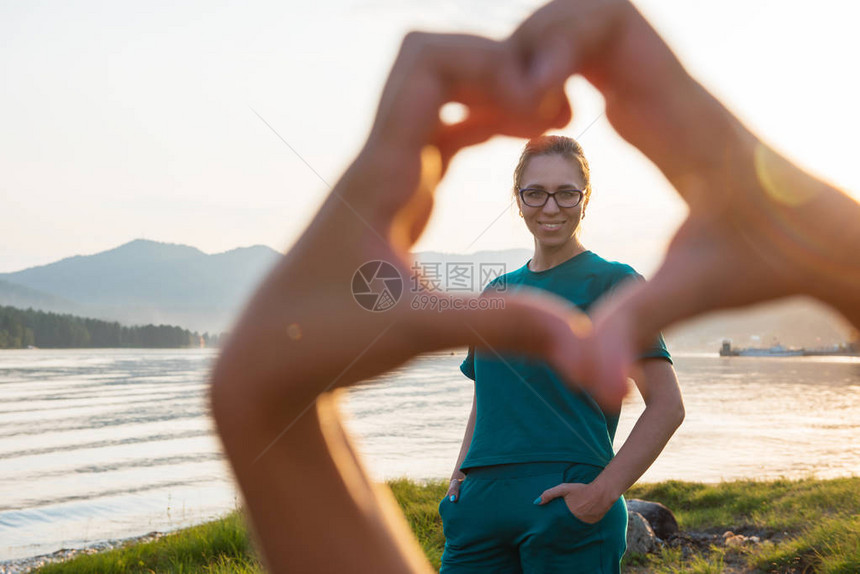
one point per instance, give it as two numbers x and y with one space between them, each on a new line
548 56
556 491
532 322
551 110
552 63
453 493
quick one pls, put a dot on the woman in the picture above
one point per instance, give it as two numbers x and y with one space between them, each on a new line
528 436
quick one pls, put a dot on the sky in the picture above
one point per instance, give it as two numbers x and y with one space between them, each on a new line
123 120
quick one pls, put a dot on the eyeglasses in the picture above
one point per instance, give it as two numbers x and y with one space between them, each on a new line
563 198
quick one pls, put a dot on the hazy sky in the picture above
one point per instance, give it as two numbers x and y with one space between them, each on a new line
122 120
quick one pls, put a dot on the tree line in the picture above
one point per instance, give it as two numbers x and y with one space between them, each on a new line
20 328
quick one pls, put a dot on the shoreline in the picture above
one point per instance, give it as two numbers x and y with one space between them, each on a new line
809 525
27 564
30 563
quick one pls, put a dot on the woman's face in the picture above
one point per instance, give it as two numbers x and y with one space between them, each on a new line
550 224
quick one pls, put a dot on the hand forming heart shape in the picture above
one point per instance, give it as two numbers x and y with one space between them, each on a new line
382 203
758 228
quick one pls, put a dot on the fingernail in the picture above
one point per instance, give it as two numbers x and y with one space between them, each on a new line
452 498
537 500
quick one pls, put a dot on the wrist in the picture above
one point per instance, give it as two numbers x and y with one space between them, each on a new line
606 490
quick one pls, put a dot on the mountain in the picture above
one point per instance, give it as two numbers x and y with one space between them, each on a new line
149 273
150 282
147 282
22 297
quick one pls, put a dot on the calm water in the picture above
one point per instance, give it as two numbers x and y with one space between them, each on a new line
98 444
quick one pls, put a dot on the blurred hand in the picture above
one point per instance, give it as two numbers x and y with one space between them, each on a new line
650 98
759 228
304 333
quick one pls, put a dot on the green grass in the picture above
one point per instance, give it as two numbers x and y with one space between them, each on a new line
808 526
812 525
774 505
420 504
217 547
832 545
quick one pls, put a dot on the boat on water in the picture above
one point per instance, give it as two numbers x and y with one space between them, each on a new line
777 350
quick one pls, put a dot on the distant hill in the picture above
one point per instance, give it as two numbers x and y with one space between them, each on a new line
145 282
794 322
797 322
150 282
160 283
24 297
149 273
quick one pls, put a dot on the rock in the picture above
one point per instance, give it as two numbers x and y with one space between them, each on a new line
640 536
660 518
733 540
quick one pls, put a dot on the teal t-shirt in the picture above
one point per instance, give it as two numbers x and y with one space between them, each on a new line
525 413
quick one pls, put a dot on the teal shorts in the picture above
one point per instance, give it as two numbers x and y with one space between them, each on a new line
494 526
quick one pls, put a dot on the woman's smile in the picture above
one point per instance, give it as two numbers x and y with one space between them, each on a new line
551 225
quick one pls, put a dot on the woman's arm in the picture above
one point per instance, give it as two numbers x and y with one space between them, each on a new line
664 412
457 476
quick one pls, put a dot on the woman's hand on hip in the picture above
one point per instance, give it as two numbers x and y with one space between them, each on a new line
587 502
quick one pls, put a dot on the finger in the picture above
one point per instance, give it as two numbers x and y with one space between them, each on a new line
484 121
411 220
454 491
553 63
555 492
531 322
504 83
560 36
430 70
700 273
650 99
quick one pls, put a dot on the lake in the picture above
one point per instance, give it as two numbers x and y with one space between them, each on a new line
98 444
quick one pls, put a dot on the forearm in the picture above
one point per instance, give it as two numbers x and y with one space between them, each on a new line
644 444
788 233
294 486
815 225
804 229
663 414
